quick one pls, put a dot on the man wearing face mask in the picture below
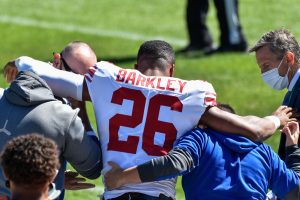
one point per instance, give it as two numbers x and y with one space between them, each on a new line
277 55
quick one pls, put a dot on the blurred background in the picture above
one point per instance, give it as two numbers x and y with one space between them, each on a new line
116 28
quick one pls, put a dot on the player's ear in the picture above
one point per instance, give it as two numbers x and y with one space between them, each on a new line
57 60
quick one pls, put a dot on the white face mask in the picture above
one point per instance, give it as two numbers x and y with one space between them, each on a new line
274 80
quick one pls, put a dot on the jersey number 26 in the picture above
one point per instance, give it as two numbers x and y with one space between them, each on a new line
152 123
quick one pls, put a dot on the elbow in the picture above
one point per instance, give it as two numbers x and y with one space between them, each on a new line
92 173
94 176
262 133
258 136
23 61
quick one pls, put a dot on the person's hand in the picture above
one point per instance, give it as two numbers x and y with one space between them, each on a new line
73 182
284 114
113 177
291 130
10 71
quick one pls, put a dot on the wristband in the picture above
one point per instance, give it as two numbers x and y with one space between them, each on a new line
275 120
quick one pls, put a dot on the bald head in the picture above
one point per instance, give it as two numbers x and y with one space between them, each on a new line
156 58
79 56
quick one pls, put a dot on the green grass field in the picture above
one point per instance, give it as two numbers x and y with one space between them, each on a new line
116 28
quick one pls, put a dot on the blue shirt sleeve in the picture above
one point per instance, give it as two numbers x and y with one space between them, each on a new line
194 143
283 180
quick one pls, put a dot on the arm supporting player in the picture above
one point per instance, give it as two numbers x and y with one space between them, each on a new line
81 150
252 127
62 83
175 163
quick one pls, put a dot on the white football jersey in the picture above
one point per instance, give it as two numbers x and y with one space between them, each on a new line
139 117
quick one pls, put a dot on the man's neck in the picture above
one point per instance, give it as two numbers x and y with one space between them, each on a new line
292 71
154 72
293 76
29 194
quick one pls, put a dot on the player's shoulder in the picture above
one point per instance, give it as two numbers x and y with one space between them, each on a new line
106 65
102 69
194 138
200 85
265 151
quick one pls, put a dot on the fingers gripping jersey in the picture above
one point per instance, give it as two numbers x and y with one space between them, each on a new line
139 117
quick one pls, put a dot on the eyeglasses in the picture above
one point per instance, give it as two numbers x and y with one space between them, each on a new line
66 66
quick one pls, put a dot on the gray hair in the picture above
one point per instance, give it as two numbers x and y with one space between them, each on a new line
279 41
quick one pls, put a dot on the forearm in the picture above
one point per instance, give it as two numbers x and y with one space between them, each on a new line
262 128
82 114
62 83
82 151
252 127
173 164
293 158
91 164
85 119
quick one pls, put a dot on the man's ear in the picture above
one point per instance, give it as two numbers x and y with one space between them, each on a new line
290 58
57 61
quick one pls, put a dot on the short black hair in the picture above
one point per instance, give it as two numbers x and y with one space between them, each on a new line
30 160
155 51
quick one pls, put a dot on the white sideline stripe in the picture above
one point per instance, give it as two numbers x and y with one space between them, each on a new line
85 30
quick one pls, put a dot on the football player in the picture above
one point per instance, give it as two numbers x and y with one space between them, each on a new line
141 112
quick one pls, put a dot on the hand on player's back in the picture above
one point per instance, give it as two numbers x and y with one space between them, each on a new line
113 177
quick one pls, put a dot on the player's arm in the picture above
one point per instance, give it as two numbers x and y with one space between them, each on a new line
62 83
173 164
82 150
182 159
252 127
82 112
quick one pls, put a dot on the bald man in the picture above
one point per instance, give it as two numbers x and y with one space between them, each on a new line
77 57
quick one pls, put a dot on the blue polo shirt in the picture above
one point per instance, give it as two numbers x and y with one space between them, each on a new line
229 166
